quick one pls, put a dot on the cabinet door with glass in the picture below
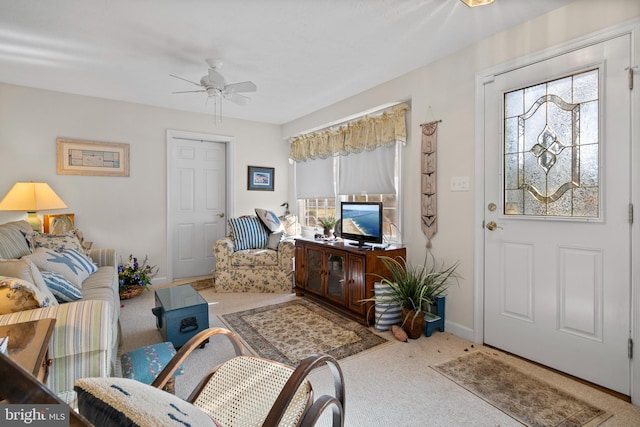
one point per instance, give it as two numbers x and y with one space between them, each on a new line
356 283
336 276
314 269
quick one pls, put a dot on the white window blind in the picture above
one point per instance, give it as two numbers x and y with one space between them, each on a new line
314 179
370 172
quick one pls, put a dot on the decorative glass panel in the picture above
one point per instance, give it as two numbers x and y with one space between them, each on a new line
551 148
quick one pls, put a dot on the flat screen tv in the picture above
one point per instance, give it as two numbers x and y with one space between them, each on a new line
362 222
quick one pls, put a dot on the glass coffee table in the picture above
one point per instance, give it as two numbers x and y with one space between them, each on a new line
180 313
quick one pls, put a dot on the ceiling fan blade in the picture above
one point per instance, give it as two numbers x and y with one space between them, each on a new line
181 78
237 98
216 78
190 91
241 87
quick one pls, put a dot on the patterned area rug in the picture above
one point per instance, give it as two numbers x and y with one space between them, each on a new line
199 285
293 330
527 399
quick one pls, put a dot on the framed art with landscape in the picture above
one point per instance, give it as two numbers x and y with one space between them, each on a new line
260 178
78 157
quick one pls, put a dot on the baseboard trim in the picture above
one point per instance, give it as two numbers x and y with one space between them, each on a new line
459 330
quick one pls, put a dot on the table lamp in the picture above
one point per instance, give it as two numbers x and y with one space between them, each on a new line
31 197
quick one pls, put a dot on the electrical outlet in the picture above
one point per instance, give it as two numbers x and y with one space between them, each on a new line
459 183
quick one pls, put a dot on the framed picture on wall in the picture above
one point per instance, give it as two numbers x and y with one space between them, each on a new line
260 178
78 157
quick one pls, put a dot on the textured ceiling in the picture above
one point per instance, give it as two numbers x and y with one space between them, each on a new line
302 54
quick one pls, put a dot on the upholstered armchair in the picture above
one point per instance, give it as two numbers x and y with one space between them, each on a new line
253 270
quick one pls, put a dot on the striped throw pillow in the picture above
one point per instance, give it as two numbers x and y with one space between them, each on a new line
60 287
74 266
13 244
248 233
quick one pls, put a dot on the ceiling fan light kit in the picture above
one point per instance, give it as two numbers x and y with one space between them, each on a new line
474 3
215 86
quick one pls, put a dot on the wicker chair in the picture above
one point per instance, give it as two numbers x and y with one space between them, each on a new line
244 391
251 391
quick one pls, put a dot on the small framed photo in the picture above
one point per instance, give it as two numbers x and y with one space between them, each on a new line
260 178
78 157
58 223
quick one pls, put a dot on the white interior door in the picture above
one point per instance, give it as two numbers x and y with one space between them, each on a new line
557 189
197 204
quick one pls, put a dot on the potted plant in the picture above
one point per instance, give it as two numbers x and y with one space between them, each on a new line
134 277
328 223
414 289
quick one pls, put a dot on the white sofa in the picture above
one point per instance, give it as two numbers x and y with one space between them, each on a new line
86 334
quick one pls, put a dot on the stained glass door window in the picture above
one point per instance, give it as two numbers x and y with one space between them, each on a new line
551 148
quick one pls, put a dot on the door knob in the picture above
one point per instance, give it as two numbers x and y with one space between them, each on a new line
491 225
221 214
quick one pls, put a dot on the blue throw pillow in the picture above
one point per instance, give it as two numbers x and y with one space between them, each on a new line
60 287
248 233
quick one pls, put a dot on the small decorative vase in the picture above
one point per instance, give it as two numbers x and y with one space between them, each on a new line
387 314
413 326
328 232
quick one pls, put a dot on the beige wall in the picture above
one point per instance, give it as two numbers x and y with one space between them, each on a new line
445 90
128 214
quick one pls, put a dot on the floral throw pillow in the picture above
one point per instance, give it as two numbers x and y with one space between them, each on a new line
19 295
24 269
58 242
73 265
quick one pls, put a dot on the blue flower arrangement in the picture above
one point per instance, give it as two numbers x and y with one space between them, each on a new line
133 273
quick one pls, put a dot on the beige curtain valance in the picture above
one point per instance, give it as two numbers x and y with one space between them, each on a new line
365 134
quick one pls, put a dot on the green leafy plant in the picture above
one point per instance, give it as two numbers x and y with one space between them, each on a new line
133 273
413 288
328 222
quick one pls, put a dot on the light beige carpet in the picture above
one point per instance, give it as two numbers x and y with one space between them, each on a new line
390 385
529 400
290 331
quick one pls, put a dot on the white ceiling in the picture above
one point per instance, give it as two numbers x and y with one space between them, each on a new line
302 54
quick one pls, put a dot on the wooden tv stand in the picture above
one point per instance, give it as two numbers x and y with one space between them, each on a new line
339 276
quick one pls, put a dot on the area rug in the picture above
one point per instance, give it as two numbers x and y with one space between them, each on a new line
528 400
201 284
290 331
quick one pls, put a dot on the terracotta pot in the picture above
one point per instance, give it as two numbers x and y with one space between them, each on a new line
413 327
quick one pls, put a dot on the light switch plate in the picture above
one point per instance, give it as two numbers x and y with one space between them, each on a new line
459 183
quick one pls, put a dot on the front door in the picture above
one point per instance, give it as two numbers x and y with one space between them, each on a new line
197 203
557 229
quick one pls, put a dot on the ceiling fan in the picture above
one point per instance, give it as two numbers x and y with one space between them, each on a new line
215 85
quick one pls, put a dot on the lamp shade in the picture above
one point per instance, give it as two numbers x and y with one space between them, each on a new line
31 197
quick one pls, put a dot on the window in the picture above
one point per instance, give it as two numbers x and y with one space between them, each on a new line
311 210
551 149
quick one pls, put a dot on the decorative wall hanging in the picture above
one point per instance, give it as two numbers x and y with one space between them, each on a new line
77 157
260 178
428 211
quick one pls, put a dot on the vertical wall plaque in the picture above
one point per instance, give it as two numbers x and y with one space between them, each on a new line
428 211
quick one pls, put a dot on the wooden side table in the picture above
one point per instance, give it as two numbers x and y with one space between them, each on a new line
29 345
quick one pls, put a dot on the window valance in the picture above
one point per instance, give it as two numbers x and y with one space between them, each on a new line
364 134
